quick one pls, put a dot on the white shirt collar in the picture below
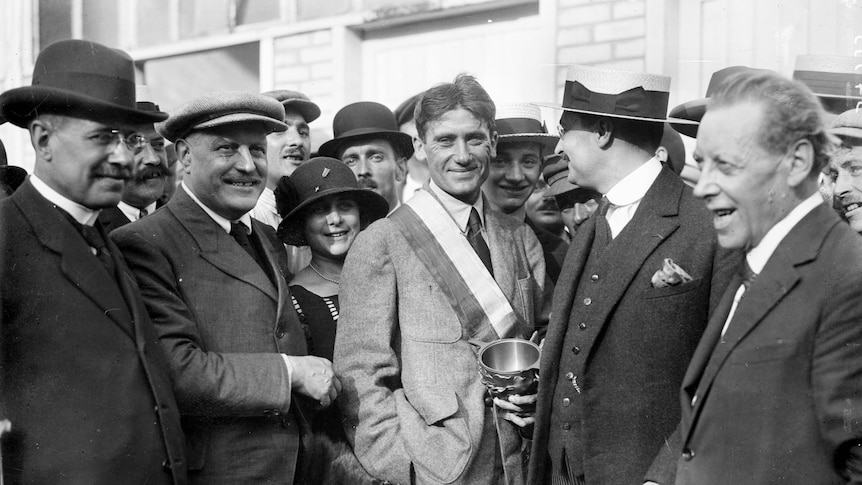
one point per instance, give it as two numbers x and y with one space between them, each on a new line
759 255
220 220
84 215
460 211
411 185
133 213
635 185
267 201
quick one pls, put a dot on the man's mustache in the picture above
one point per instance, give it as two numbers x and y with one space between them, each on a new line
113 171
151 172
367 183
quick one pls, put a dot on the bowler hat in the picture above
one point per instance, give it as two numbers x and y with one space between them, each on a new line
315 179
296 101
365 120
82 79
223 108
685 118
618 94
848 125
522 122
833 79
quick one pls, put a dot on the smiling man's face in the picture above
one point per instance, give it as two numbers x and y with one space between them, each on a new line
845 170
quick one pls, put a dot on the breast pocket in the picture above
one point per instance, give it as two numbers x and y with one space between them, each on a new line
672 290
777 350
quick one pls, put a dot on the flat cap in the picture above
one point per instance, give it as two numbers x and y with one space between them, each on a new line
223 108
296 101
848 125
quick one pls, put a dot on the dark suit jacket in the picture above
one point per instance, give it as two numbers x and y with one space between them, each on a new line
82 377
554 248
780 400
222 323
636 350
113 218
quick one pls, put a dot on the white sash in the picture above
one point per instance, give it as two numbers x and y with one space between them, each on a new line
466 262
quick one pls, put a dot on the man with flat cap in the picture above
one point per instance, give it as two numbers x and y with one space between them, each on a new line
513 174
83 379
634 296
773 392
368 141
149 172
845 167
213 281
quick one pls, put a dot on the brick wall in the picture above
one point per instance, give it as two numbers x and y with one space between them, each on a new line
600 33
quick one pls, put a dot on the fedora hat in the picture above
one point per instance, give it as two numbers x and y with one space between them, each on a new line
556 173
833 79
223 108
522 122
365 120
685 118
82 79
618 94
315 179
296 101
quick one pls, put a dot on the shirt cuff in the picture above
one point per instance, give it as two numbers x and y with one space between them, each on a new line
289 372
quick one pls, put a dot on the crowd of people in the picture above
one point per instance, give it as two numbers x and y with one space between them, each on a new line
194 296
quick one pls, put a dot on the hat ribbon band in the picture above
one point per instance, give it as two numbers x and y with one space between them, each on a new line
633 102
512 126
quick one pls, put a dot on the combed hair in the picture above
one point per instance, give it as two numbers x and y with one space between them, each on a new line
791 112
464 92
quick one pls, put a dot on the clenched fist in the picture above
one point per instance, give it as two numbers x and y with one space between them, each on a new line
313 376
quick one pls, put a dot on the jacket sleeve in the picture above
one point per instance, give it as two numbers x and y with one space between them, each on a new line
366 359
544 289
205 383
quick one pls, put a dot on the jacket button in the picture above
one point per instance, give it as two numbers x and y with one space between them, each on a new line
570 375
687 454
576 350
582 326
594 277
587 301
166 465
279 332
567 426
566 402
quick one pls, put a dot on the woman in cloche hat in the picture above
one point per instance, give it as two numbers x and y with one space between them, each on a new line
324 208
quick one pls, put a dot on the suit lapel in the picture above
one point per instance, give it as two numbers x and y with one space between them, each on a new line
217 247
78 264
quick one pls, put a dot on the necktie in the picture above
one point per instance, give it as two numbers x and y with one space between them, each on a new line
748 275
239 232
144 212
603 229
474 235
94 239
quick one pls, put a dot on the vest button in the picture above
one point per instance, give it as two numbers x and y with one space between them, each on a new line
587 301
279 332
687 454
570 375
582 326
567 426
594 277
576 350
566 402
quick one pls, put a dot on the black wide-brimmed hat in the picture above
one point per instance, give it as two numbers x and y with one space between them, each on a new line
366 120
296 101
685 118
619 94
82 79
522 122
315 179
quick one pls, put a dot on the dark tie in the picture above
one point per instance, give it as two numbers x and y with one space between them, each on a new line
748 275
239 232
603 229
94 239
474 235
144 212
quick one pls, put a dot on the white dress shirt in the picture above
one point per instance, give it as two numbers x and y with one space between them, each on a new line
266 210
460 211
625 197
133 213
84 215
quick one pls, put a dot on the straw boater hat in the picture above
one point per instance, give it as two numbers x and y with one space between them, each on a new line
522 122
82 79
684 114
614 93
365 120
296 101
833 79
315 179
223 108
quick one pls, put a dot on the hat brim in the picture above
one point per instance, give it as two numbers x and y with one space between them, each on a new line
372 206
685 118
398 139
20 105
599 113
547 140
12 176
270 124
309 110
847 132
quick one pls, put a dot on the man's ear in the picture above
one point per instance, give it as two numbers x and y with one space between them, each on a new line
801 162
604 132
184 154
495 137
400 169
40 136
419 149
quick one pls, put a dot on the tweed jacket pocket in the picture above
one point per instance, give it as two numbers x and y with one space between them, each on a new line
672 290
435 434
777 350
